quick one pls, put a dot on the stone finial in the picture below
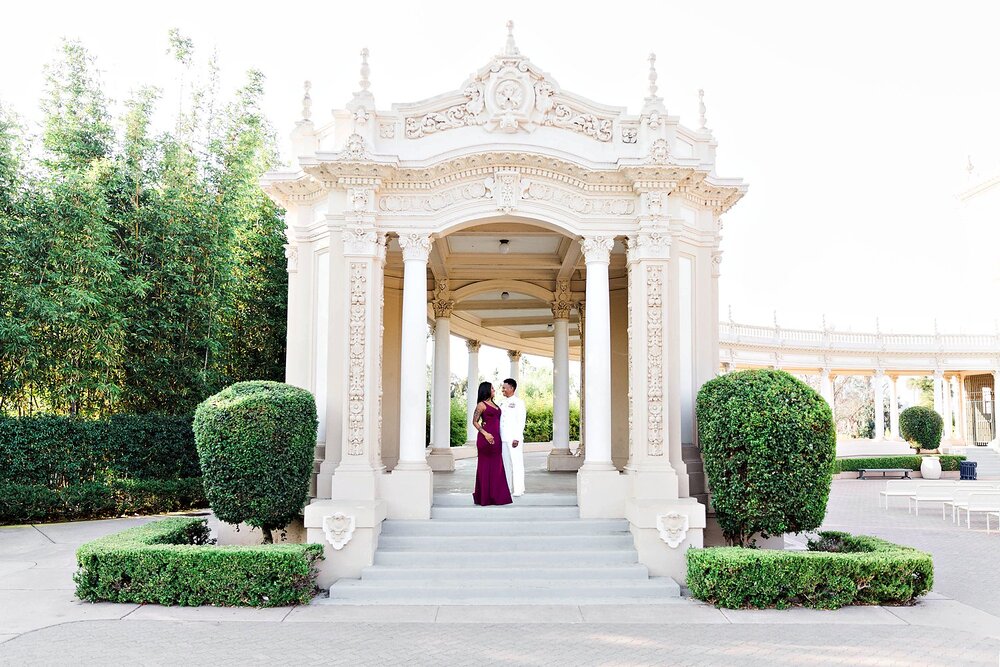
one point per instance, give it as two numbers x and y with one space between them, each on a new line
730 313
510 49
702 118
774 316
652 76
307 102
878 328
968 165
365 70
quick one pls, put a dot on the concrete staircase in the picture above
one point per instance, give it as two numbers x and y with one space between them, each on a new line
537 551
987 460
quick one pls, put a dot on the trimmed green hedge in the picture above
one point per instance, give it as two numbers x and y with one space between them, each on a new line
31 503
257 442
62 468
921 425
169 562
768 442
949 462
839 569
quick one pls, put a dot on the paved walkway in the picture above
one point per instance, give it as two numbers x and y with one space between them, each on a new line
42 623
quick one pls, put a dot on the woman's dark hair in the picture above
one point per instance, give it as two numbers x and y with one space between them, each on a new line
484 392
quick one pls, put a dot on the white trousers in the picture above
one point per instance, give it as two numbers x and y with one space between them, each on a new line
513 463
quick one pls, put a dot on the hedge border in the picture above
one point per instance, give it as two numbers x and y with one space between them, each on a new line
839 569
170 562
949 462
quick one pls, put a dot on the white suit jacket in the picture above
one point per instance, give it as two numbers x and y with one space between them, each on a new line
512 416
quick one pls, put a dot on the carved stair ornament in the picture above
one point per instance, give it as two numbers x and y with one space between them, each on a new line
511 95
339 529
673 528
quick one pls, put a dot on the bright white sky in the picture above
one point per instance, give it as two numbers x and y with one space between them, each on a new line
851 121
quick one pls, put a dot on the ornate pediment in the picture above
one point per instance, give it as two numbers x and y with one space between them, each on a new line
508 95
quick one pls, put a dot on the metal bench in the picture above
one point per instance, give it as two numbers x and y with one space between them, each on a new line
904 471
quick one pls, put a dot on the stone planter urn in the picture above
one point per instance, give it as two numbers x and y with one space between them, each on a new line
930 467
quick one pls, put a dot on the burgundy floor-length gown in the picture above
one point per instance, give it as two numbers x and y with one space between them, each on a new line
491 478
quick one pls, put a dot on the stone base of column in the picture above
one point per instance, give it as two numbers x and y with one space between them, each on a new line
408 491
601 491
441 459
663 531
653 482
563 460
324 479
355 483
356 544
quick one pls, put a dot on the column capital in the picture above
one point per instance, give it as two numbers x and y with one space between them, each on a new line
292 257
415 246
514 355
825 371
879 373
562 303
442 302
473 345
647 244
939 374
363 240
597 249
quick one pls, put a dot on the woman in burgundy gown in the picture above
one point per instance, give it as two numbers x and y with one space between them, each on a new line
491 478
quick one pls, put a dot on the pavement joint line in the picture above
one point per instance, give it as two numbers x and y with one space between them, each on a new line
130 612
43 534
290 610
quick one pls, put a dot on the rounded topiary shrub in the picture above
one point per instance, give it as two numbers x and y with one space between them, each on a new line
768 442
922 426
256 444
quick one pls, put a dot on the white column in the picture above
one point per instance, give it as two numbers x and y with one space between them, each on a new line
939 393
826 386
894 407
878 389
408 489
472 388
560 384
600 493
441 458
960 410
995 443
948 430
515 364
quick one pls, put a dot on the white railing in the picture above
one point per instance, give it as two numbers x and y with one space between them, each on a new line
818 339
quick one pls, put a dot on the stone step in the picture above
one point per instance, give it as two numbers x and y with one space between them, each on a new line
348 591
527 500
527 559
504 573
500 527
506 513
472 546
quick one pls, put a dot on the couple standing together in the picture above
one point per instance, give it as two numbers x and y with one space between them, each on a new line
500 467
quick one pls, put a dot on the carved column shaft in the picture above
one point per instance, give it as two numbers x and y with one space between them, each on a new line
413 353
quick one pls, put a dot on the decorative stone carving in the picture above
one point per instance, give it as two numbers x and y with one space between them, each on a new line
597 248
540 191
506 189
355 150
716 264
415 246
630 134
514 355
673 528
360 240
562 304
339 529
387 130
659 152
511 95
360 199
654 121
473 345
357 332
442 303
292 255
394 203
654 358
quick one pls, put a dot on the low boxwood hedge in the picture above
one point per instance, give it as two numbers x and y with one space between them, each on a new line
170 562
838 569
949 462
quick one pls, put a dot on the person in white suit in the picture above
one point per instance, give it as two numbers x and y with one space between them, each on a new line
512 417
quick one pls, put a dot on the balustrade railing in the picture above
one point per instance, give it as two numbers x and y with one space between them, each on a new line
732 332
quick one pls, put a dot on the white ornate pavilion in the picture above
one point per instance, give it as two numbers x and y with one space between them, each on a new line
397 218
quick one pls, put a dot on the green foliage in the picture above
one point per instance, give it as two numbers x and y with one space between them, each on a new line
949 462
142 271
537 423
62 468
32 503
921 425
459 423
768 443
256 443
169 562
839 569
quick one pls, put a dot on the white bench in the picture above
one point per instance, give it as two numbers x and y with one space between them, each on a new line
928 493
960 497
903 488
988 514
982 502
